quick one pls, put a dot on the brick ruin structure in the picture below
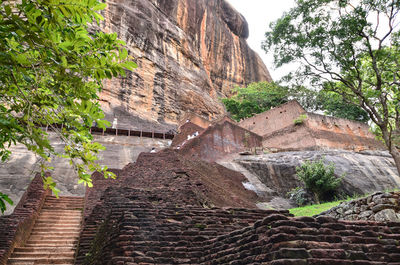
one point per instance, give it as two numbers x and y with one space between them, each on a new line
172 207
156 214
273 129
315 132
169 209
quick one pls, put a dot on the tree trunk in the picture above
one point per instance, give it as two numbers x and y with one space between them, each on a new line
392 149
396 156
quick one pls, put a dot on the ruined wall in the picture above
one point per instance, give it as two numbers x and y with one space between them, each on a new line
189 53
273 120
187 129
316 132
220 140
195 119
336 133
292 137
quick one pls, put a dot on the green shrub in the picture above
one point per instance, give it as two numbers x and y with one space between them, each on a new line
319 179
299 120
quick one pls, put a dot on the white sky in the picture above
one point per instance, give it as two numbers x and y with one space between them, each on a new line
259 13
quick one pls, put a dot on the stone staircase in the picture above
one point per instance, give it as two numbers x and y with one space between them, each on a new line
55 235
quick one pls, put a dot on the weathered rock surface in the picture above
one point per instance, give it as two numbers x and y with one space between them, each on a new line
189 53
381 207
16 174
366 172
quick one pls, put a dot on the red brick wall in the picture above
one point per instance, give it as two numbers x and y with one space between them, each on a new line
293 137
196 119
274 119
219 140
16 228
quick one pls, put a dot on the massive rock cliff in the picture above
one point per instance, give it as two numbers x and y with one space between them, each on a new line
189 53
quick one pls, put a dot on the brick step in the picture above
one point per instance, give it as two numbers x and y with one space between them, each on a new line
70 207
71 245
60 217
73 224
31 261
60 237
55 242
72 203
75 221
45 229
64 197
64 213
55 235
57 211
48 204
51 249
40 254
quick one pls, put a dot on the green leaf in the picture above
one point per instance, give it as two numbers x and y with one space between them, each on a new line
100 6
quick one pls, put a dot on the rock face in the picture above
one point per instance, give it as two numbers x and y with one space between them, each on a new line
381 207
365 172
189 53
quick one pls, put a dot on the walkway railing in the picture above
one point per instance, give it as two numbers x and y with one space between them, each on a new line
122 132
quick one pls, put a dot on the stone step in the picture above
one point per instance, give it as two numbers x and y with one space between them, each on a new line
54 237
45 249
46 229
59 221
55 234
50 245
31 261
62 213
40 254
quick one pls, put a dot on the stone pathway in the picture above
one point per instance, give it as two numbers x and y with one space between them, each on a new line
55 235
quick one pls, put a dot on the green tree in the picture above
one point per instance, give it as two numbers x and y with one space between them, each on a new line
348 47
333 104
52 62
254 99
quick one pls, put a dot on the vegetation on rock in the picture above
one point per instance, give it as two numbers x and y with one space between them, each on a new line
319 179
351 48
52 62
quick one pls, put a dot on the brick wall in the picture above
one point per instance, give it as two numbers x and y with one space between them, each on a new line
195 119
274 119
220 140
134 228
281 240
16 228
317 131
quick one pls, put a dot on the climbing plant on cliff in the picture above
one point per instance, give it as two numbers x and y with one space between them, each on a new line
52 62
254 99
348 47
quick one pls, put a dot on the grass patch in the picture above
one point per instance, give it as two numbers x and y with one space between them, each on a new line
311 210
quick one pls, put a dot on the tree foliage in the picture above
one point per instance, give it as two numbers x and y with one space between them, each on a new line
52 62
333 104
349 47
255 98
